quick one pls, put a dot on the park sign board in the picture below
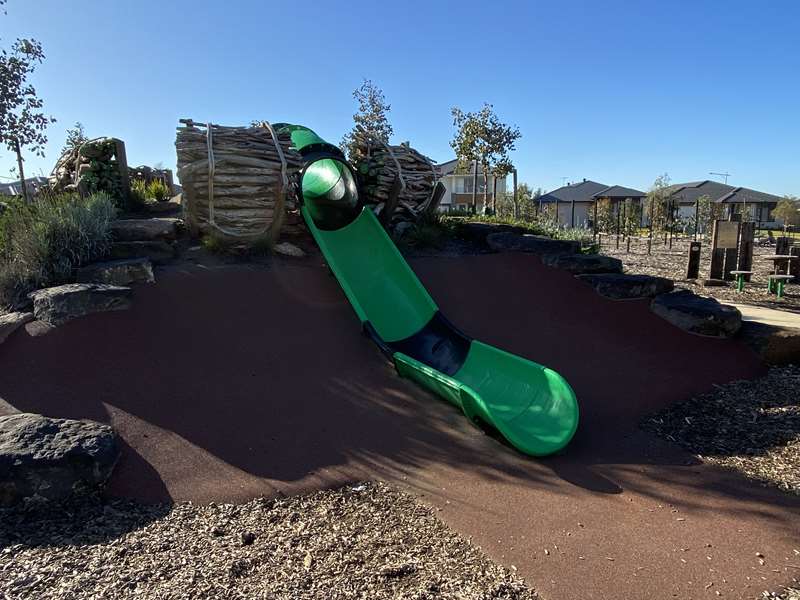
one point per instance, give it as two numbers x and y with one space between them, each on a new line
727 235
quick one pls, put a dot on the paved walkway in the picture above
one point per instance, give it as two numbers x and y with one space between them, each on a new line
769 316
231 383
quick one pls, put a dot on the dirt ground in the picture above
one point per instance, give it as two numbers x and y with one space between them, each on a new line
671 262
231 382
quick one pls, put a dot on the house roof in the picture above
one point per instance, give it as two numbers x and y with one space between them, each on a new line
589 191
578 192
618 191
718 192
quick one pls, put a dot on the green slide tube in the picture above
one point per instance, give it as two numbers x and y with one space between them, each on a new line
530 405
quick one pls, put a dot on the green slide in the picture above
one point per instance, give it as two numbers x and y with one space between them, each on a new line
531 406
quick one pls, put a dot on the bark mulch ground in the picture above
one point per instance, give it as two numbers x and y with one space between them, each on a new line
671 262
750 426
360 541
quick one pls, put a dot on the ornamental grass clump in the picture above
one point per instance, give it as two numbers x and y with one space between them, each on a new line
158 191
42 243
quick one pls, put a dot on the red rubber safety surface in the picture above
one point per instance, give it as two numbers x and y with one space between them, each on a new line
236 382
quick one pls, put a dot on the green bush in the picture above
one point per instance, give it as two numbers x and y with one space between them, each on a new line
158 191
42 243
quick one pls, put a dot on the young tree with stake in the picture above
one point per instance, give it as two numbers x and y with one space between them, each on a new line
482 137
22 124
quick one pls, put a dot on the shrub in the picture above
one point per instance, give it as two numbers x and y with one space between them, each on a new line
138 192
42 243
158 190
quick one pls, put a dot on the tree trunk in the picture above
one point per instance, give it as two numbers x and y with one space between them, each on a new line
516 198
18 150
475 186
494 195
485 170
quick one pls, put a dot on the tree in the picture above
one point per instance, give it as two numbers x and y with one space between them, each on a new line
482 137
76 137
659 204
22 124
788 211
371 120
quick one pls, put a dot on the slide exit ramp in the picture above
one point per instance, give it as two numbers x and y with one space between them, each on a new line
530 405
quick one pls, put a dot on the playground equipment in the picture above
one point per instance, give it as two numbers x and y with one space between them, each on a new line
531 406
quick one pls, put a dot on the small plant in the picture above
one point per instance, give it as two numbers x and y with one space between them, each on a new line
43 242
138 191
158 191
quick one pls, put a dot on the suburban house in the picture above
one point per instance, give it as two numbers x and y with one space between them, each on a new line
574 203
458 194
14 188
751 204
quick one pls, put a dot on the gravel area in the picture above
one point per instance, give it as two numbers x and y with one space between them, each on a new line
671 262
361 541
750 426
787 594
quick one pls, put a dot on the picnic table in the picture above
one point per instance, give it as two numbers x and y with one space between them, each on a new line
778 260
740 275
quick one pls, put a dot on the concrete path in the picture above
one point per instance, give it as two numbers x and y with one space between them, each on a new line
768 316
231 383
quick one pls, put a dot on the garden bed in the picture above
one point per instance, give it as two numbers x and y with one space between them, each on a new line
750 426
361 541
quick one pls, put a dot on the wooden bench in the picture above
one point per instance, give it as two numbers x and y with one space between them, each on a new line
740 275
776 283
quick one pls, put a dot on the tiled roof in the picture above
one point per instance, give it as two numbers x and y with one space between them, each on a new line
618 191
718 192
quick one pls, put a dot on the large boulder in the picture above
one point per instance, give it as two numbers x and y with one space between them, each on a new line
579 264
618 286
698 314
57 305
535 244
137 230
10 322
118 272
776 345
478 232
157 251
51 459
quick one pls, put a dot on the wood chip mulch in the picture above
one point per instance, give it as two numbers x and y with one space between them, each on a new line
361 541
750 426
787 594
664 261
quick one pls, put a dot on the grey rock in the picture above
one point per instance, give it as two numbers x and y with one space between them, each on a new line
697 314
775 345
535 244
52 459
57 305
38 328
158 251
580 264
118 272
288 249
137 230
10 322
402 228
478 232
618 286
167 207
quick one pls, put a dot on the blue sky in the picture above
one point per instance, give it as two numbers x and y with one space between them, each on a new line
613 91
